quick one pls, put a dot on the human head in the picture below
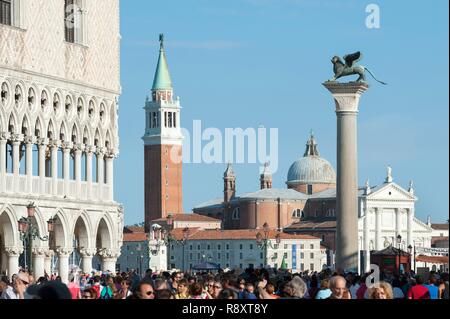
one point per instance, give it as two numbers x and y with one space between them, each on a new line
145 290
270 288
338 286
217 288
125 284
382 291
89 293
164 294
295 288
195 289
228 294
160 284
325 284
183 286
250 287
419 280
210 286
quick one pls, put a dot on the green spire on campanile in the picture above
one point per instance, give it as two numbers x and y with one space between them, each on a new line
162 79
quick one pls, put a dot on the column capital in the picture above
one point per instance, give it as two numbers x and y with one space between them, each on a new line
346 95
29 139
14 251
88 252
109 253
17 138
42 141
100 151
4 136
55 143
63 251
67 145
79 147
40 251
90 149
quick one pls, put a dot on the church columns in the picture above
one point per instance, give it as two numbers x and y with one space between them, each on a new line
366 240
86 259
66 166
410 220
109 259
63 261
39 262
16 142
89 153
78 152
109 176
29 163
41 159
100 171
3 141
378 243
13 260
54 167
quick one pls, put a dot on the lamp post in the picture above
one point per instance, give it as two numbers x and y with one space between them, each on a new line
399 241
263 241
409 252
29 232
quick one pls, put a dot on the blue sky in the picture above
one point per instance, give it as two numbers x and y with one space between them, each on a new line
246 63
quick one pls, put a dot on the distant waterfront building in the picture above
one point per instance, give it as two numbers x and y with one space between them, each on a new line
59 90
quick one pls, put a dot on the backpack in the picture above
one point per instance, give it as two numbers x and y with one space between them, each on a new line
106 293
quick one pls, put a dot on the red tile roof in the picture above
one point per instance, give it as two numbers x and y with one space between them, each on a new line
189 218
440 226
219 234
133 229
433 259
133 237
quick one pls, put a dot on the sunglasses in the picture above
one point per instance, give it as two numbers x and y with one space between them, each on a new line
149 293
217 287
86 296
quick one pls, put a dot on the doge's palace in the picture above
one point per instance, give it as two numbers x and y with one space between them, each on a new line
59 83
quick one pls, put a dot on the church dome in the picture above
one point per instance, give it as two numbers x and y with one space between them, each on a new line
311 168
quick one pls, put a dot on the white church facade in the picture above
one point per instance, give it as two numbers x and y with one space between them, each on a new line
60 84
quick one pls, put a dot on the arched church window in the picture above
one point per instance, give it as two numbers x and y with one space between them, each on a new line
44 99
56 102
18 96
31 98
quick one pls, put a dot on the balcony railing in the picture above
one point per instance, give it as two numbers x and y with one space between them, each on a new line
21 185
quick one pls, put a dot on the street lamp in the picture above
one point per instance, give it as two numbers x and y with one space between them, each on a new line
399 241
410 248
29 232
263 241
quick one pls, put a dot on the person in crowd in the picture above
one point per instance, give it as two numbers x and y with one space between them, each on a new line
125 290
397 291
164 294
432 288
418 291
217 288
89 293
443 286
73 287
7 289
382 290
313 287
325 291
228 294
270 289
145 290
338 287
182 289
196 291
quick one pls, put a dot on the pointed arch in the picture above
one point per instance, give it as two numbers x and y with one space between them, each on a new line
104 236
38 128
63 132
86 136
12 124
25 129
98 138
82 230
108 141
8 226
50 130
75 137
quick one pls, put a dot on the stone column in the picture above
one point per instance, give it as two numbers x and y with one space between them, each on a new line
398 222
366 240
89 151
346 97
48 262
110 176
29 163
378 213
100 172
86 259
38 262
54 170
13 254
63 263
41 158
78 152
410 225
67 146
109 259
17 140
3 141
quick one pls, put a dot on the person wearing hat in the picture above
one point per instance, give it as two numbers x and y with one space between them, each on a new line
19 285
7 291
49 290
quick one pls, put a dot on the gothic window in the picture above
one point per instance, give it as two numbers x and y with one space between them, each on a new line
44 99
4 93
5 12
73 21
18 96
56 102
80 108
91 109
68 105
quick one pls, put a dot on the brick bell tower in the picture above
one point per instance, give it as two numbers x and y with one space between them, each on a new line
163 142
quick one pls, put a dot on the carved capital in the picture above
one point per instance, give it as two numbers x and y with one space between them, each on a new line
109 253
17 138
63 252
14 251
42 141
100 151
39 251
90 149
88 252
55 144
4 136
67 145
29 140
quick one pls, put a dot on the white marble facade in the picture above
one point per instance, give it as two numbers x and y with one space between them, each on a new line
59 132
387 211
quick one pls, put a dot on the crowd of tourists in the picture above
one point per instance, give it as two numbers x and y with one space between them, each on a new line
250 284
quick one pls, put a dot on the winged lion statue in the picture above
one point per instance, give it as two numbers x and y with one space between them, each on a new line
342 69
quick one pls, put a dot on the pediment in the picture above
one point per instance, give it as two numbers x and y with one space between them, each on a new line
391 191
